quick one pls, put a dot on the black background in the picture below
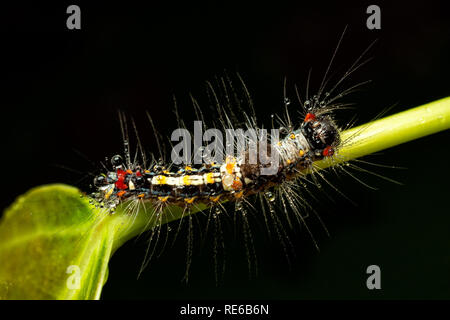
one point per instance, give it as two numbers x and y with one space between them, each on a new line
62 89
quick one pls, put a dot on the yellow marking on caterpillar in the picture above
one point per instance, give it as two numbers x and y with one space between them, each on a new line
166 172
209 178
109 193
301 153
186 180
189 200
289 161
141 195
231 162
239 194
292 136
163 199
279 143
215 199
230 167
188 168
147 171
159 180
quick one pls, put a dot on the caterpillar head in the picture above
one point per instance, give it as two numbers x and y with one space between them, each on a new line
321 133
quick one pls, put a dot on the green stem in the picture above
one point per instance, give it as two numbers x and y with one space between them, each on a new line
387 132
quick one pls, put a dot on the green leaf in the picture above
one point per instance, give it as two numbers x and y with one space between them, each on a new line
43 233
51 233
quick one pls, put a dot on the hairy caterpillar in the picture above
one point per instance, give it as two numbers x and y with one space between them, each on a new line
236 179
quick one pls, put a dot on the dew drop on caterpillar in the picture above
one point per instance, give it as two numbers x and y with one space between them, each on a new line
246 164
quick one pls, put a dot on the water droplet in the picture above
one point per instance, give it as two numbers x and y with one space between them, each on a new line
269 196
112 176
117 161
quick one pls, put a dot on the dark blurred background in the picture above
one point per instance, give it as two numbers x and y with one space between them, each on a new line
62 88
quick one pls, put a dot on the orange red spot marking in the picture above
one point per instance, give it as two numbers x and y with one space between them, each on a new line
121 179
328 151
239 194
310 117
237 184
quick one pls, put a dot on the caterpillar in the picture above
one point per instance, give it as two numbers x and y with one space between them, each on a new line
269 168
236 178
